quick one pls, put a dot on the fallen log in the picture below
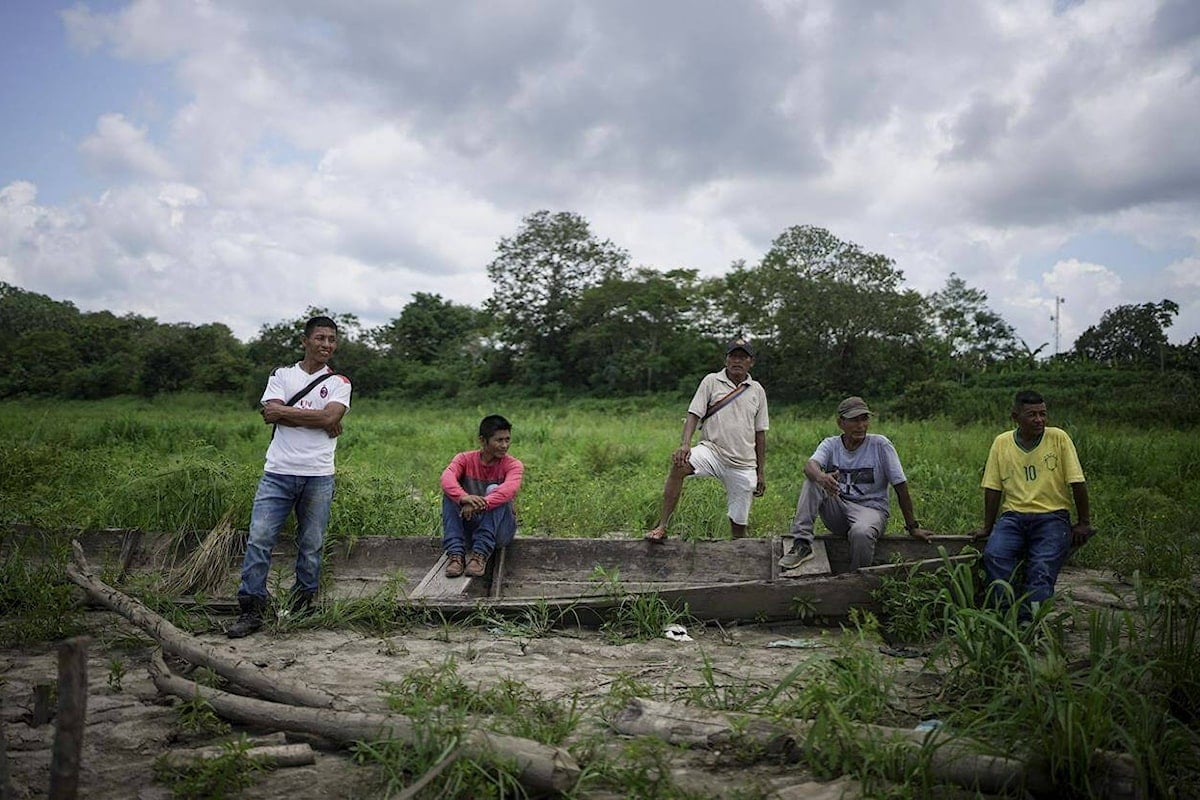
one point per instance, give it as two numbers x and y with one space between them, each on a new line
267 683
960 761
285 755
708 730
541 767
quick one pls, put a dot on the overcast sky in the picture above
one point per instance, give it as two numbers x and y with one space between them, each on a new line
239 160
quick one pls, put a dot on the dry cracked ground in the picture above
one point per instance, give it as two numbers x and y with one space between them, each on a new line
130 726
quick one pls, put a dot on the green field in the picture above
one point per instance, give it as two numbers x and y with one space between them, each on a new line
592 468
1073 688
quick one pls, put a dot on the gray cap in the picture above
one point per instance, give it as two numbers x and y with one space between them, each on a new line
853 407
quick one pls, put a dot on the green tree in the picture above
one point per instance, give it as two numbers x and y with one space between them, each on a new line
38 360
105 337
110 349
428 330
640 333
830 317
972 335
219 362
1187 356
38 342
22 312
538 277
278 344
433 349
1130 335
206 358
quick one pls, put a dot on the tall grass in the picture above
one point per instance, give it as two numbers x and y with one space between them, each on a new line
592 469
443 708
35 602
1131 690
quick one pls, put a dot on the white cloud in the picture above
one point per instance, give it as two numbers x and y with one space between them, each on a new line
349 155
121 150
1185 274
1092 288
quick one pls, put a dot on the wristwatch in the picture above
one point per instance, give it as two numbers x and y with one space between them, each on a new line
910 528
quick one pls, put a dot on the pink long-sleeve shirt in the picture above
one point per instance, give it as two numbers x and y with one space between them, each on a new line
467 474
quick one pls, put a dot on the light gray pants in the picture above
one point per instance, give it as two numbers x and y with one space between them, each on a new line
860 524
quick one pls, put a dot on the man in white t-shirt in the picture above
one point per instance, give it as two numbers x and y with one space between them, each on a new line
305 402
846 483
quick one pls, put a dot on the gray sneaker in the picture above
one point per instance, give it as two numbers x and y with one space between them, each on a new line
801 552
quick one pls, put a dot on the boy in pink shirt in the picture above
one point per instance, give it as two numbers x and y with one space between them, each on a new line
478 488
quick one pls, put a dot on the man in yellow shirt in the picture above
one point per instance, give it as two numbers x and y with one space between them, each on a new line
1031 479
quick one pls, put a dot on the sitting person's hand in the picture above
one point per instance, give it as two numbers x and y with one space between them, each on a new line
923 534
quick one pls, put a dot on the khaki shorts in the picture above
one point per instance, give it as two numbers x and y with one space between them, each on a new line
740 482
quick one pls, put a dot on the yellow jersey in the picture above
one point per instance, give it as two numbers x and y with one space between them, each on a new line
1037 480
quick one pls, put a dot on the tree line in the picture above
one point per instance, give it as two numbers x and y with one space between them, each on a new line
569 316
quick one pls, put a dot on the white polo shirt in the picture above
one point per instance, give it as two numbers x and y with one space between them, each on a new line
730 431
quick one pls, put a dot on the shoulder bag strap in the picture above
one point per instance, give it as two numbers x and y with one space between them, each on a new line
314 384
724 401
298 396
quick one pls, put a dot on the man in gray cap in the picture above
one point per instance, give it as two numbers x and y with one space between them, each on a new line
846 483
730 408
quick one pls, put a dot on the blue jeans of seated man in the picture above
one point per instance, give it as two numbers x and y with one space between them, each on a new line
482 533
276 498
1042 541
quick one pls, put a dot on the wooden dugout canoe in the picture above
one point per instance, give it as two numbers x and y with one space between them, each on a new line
576 579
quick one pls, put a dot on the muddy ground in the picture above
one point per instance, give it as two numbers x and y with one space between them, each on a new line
128 729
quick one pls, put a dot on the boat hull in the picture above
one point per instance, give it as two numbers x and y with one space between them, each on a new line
580 580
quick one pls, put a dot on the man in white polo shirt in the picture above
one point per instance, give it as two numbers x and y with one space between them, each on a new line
730 409
305 402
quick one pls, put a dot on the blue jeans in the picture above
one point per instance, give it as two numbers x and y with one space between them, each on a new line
277 497
1042 540
482 533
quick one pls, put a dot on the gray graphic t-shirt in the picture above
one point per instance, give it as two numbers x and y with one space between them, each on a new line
864 474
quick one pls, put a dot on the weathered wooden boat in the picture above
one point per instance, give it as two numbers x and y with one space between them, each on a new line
584 579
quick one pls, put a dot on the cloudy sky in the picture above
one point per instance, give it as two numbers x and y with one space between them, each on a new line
239 160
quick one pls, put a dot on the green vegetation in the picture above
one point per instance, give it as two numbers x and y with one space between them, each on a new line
445 709
190 464
221 777
197 717
1023 689
636 617
116 674
187 463
569 316
36 603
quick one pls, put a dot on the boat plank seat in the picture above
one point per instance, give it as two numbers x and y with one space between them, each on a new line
435 584
818 566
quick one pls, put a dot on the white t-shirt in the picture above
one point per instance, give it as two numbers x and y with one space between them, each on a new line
307 452
865 473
